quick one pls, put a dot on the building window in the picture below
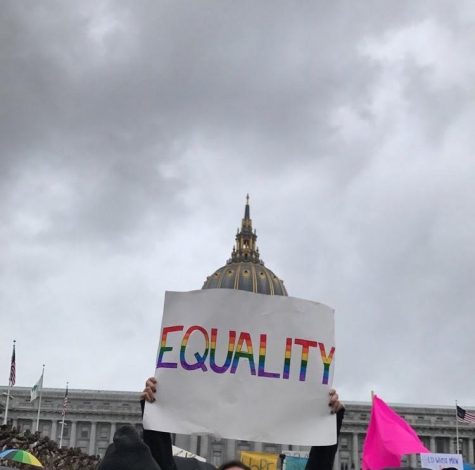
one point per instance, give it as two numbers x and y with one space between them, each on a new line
441 445
84 433
217 458
104 433
44 428
272 449
425 440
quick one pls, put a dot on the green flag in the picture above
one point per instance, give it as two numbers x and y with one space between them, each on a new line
35 391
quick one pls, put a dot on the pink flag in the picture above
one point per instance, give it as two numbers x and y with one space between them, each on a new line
388 438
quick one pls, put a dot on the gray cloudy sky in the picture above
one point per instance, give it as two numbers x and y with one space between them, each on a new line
130 133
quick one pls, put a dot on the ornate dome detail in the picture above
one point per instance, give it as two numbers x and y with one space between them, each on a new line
245 270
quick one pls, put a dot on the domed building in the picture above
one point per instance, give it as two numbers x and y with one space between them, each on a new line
245 270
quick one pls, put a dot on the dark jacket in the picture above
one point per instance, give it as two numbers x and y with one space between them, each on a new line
160 443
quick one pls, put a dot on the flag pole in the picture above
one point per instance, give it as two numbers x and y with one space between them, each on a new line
39 401
62 421
6 405
62 429
12 365
456 426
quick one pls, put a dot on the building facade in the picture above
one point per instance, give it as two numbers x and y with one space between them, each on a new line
93 415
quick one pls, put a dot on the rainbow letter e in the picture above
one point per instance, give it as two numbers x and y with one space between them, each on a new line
164 348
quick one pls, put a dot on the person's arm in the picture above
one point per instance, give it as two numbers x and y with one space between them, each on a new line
160 443
322 457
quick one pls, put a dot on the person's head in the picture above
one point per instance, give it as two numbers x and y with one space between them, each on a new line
128 452
234 465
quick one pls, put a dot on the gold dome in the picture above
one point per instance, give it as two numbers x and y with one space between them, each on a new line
245 270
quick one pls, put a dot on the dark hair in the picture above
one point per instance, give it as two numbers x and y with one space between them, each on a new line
233 463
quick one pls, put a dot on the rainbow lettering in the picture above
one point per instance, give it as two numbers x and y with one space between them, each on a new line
288 353
200 359
229 356
164 348
244 337
306 345
242 349
262 360
327 360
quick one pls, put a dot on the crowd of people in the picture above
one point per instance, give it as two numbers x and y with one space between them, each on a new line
45 449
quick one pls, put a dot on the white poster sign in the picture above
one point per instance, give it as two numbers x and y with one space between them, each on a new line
245 366
442 461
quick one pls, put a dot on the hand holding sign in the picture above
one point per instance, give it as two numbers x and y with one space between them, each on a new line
151 384
150 389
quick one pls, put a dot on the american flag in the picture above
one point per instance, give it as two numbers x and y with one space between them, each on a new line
65 401
13 368
465 416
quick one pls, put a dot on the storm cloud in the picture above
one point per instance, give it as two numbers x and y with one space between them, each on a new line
130 134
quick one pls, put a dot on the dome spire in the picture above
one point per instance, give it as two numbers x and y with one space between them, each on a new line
245 248
247 210
245 270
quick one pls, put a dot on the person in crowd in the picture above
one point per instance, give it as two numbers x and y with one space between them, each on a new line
233 465
127 452
160 443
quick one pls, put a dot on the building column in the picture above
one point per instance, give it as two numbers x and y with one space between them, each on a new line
72 435
193 444
112 432
92 439
356 454
182 441
432 444
204 446
230 449
54 430
413 460
471 457
451 445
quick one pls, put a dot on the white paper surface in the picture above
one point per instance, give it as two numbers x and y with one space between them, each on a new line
246 400
441 461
